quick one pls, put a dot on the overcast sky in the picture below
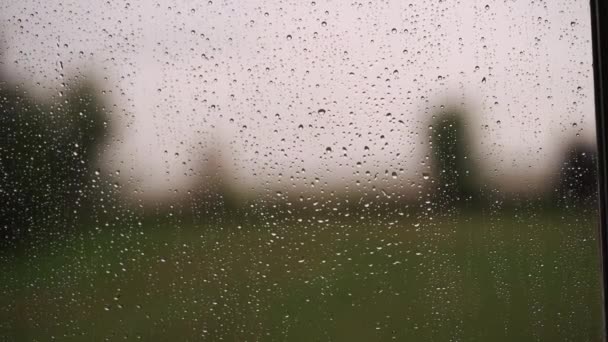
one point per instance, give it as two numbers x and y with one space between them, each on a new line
286 86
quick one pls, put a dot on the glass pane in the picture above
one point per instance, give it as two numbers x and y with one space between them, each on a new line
298 171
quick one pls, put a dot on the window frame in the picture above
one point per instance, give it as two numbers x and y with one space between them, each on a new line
599 27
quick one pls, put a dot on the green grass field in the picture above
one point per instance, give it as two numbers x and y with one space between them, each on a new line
468 277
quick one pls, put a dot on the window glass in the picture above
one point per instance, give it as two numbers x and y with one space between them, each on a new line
298 170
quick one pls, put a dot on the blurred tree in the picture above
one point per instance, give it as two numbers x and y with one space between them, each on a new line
47 155
578 175
450 151
213 194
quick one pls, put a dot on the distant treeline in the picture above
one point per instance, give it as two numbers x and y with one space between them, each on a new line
50 179
458 175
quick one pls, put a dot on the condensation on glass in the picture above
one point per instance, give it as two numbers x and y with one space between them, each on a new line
298 171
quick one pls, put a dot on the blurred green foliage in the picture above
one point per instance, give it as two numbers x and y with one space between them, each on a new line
451 152
48 153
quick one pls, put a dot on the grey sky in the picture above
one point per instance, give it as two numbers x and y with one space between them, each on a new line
188 77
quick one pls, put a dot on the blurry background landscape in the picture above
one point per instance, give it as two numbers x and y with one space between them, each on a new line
297 171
